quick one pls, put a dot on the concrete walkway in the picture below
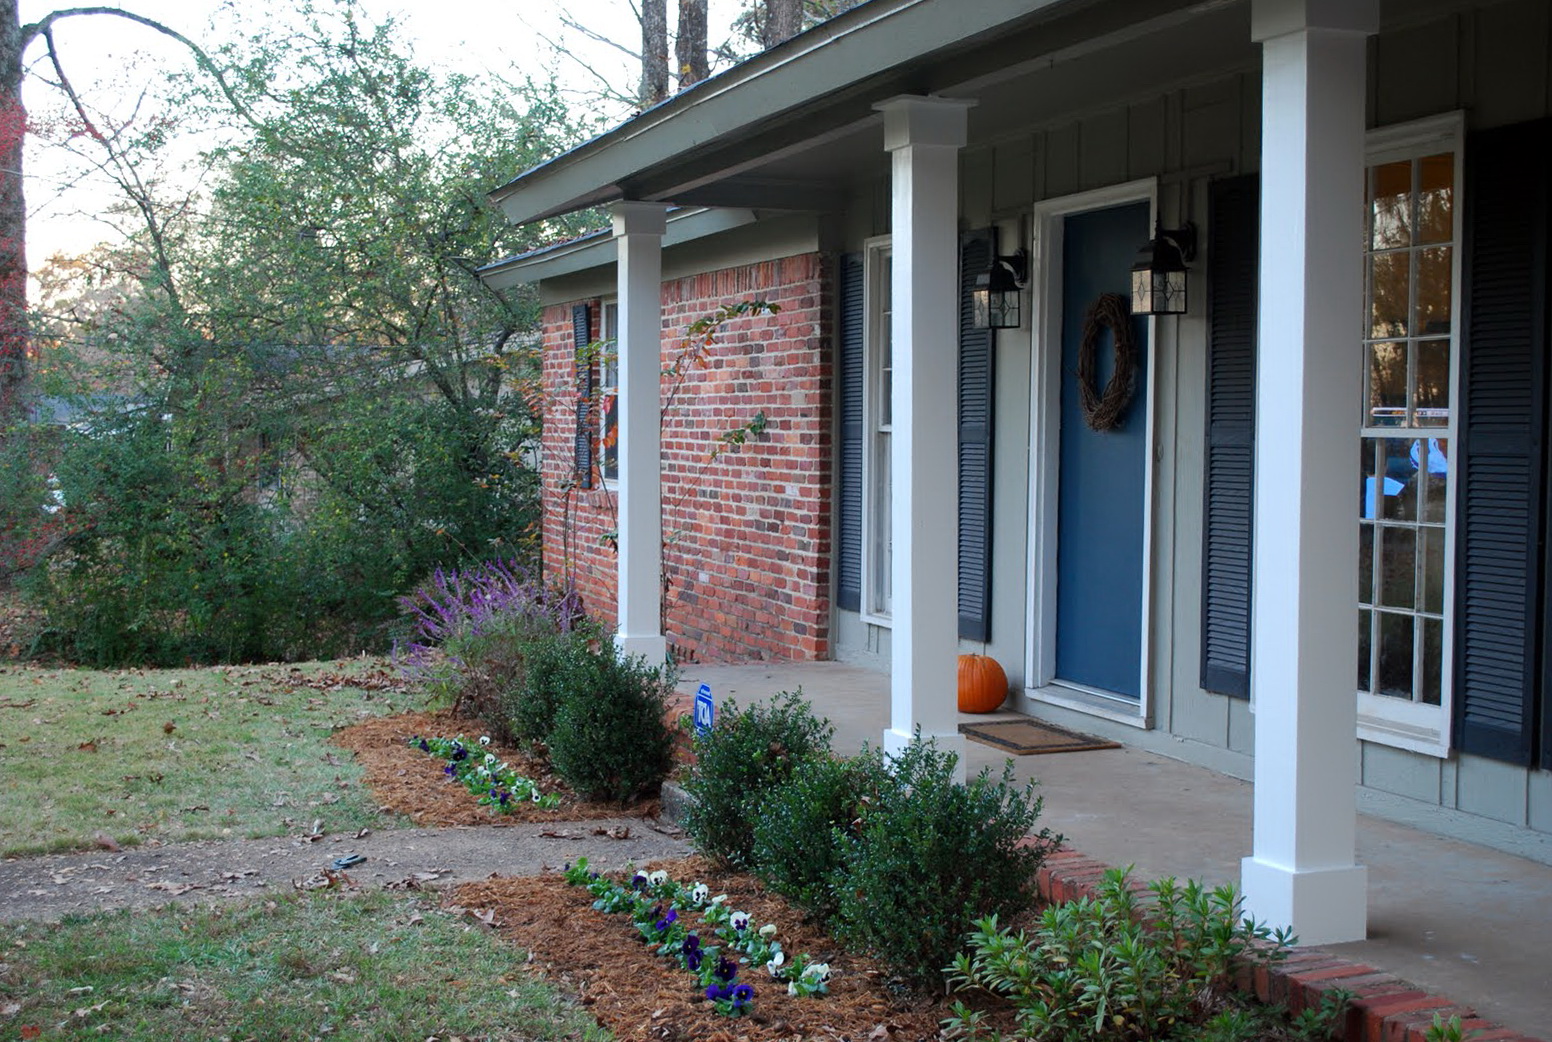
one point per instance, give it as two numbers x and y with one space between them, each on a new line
1456 919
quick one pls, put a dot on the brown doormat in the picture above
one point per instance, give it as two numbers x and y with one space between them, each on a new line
1027 737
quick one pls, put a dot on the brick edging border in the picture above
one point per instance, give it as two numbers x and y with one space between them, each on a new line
1386 1009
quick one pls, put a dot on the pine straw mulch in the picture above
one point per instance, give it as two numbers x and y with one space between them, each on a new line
638 995
410 782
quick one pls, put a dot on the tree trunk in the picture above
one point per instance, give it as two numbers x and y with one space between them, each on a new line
783 18
13 219
690 45
654 51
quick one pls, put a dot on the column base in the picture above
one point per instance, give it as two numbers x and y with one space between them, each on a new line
895 742
652 647
1323 905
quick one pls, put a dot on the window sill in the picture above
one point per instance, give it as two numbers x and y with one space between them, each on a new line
1403 725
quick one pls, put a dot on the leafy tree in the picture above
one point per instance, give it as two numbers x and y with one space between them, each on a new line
319 401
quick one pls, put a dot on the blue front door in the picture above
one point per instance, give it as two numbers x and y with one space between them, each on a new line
1102 487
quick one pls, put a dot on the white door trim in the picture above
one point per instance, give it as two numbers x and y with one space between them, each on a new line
1045 458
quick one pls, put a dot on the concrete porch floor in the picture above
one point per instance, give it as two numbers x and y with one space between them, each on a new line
1453 918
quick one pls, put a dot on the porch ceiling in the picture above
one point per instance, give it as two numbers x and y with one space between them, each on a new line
794 128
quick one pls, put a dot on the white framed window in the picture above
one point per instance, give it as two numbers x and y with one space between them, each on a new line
1406 523
877 425
609 392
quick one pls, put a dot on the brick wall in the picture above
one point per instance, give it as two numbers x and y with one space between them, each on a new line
748 537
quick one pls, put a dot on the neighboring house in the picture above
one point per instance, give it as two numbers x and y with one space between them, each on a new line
1327 494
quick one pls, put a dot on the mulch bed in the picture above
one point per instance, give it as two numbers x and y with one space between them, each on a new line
638 995
597 957
410 782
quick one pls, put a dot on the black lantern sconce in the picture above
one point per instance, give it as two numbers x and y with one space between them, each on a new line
998 292
1159 276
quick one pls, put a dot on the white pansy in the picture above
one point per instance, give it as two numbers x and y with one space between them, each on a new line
719 899
774 966
768 931
698 892
485 739
819 971
739 920
490 758
658 878
792 988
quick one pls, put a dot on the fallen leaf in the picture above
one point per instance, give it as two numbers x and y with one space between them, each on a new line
88 746
30 1031
105 841
169 727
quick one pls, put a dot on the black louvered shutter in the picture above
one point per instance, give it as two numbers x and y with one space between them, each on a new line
581 337
1234 213
975 445
848 494
1498 588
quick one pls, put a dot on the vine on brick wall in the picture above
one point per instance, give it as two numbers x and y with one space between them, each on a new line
694 351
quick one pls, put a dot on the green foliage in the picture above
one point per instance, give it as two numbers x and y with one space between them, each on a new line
609 740
1442 1030
930 855
529 706
319 400
748 754
800 827
1116 968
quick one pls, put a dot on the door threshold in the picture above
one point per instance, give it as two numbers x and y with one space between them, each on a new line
1091 702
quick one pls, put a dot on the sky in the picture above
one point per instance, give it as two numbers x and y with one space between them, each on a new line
109 57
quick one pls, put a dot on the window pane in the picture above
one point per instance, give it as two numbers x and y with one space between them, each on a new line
1387 475
1389 294
1398 567
1436 198
1432 598
1433 662
1398 500
1387 384
1395 655
1365 564
1431 384
1436 480
1432 314
1390 203
1365 648
882 546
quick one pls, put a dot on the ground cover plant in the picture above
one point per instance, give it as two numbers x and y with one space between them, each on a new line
1124 966
357 966
91 758
492 780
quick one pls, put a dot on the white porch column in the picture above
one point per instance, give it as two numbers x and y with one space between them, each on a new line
638 236
1305 645
924 136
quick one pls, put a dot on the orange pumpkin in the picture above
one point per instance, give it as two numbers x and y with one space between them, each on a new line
983 686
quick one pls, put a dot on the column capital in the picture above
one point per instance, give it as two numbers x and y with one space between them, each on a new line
637 218
916 119
1271 18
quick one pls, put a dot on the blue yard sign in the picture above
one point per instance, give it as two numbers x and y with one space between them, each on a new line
705 709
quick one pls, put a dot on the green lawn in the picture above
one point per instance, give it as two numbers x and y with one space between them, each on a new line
301 966
231 751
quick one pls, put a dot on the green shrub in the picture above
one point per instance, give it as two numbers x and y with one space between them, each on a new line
477 630
609 740
930 856
536 689
747 754
799 832
1112 968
